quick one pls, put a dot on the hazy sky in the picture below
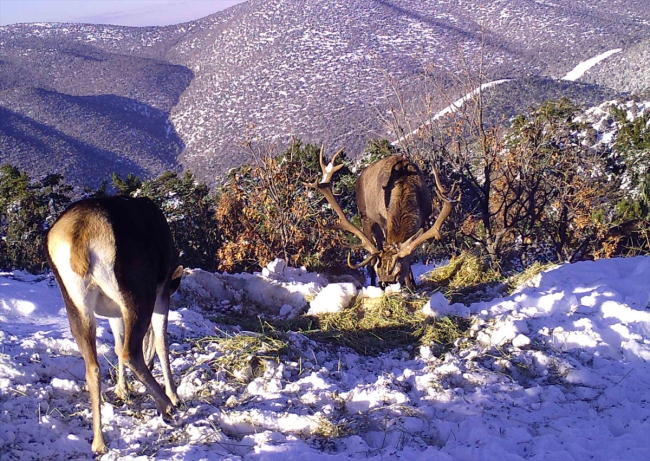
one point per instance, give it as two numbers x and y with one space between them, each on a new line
121 12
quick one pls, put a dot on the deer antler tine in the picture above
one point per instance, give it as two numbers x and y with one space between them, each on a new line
451 196
439 186
326 189
337 154
322 164
361 264
330 169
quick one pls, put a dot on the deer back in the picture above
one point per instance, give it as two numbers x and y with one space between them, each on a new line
114 240
393 194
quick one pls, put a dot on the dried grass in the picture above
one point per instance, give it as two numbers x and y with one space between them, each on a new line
374 326
245 354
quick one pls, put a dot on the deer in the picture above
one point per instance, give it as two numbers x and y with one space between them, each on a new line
115 257
394 203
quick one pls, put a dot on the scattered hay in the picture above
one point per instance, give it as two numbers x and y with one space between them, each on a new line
374 326
465 279
244 355
369 327
466 270
329 430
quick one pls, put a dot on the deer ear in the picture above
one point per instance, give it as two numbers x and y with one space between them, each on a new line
176 279
383 178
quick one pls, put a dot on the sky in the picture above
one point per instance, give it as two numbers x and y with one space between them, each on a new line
118 12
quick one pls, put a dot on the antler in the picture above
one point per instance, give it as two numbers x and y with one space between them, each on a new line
325 186
434 232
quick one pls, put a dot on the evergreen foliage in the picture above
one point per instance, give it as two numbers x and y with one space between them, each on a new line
631 156
126 186
633 146
27 210
189 209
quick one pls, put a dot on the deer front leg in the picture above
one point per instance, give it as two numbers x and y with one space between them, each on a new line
410 280
159 325
368 229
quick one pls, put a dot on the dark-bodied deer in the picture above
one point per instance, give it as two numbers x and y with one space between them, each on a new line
394 204
115 257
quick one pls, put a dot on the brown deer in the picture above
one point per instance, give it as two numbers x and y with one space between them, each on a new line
115 257
394 204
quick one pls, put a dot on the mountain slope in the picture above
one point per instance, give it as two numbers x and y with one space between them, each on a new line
324 71
86 108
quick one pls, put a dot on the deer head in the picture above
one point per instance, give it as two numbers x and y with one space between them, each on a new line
394 204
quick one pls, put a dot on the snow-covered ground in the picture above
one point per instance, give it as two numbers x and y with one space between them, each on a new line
560 370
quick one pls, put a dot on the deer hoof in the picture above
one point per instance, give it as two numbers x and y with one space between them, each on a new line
170 416
99 447
121 393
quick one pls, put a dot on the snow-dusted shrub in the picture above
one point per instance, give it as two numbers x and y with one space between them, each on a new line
27 209
265 211
631 151
189 209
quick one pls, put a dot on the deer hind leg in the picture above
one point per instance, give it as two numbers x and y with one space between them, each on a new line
83 326
159 326
137 317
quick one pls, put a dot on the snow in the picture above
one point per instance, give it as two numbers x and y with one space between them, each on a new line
578 71
438 306
559 370
276 287
333 298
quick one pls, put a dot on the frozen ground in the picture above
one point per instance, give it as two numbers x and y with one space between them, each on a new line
560 370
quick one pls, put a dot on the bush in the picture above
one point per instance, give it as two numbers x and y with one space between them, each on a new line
27 210
265 211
